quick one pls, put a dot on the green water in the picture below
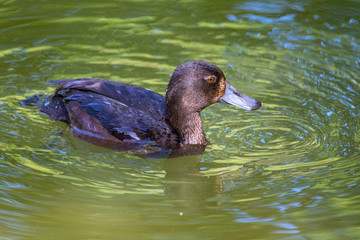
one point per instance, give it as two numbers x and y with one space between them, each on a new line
290 170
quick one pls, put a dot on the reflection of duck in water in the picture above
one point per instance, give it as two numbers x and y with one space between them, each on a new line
127 117
185 182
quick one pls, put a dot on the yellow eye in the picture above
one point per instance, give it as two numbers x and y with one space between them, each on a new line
211 79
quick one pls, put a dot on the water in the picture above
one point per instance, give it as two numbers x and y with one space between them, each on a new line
289 170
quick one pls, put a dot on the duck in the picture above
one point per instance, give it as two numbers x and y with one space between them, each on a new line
129 117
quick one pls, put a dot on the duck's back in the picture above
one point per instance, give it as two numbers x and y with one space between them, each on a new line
111 113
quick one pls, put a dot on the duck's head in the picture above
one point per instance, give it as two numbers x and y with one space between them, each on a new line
194 86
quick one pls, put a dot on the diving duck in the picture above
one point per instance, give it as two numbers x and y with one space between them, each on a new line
124 116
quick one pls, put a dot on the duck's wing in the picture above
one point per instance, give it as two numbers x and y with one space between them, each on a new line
96 114
133 96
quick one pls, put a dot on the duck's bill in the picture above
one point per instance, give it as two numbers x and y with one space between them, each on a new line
236 98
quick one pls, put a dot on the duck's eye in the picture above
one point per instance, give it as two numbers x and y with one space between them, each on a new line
211 79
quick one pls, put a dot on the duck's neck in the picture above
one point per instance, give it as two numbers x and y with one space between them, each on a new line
189 126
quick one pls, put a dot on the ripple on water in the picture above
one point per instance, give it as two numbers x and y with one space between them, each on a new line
314 122
275 134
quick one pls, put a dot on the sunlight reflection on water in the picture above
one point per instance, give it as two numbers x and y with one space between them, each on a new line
289 169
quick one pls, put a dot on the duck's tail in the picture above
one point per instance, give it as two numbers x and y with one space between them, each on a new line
48 104
32 101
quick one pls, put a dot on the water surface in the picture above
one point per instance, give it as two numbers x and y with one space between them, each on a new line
289 170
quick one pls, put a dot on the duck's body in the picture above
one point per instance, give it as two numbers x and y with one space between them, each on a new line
111 113
124 116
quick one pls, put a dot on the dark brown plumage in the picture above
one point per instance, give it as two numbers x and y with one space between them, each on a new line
125 116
